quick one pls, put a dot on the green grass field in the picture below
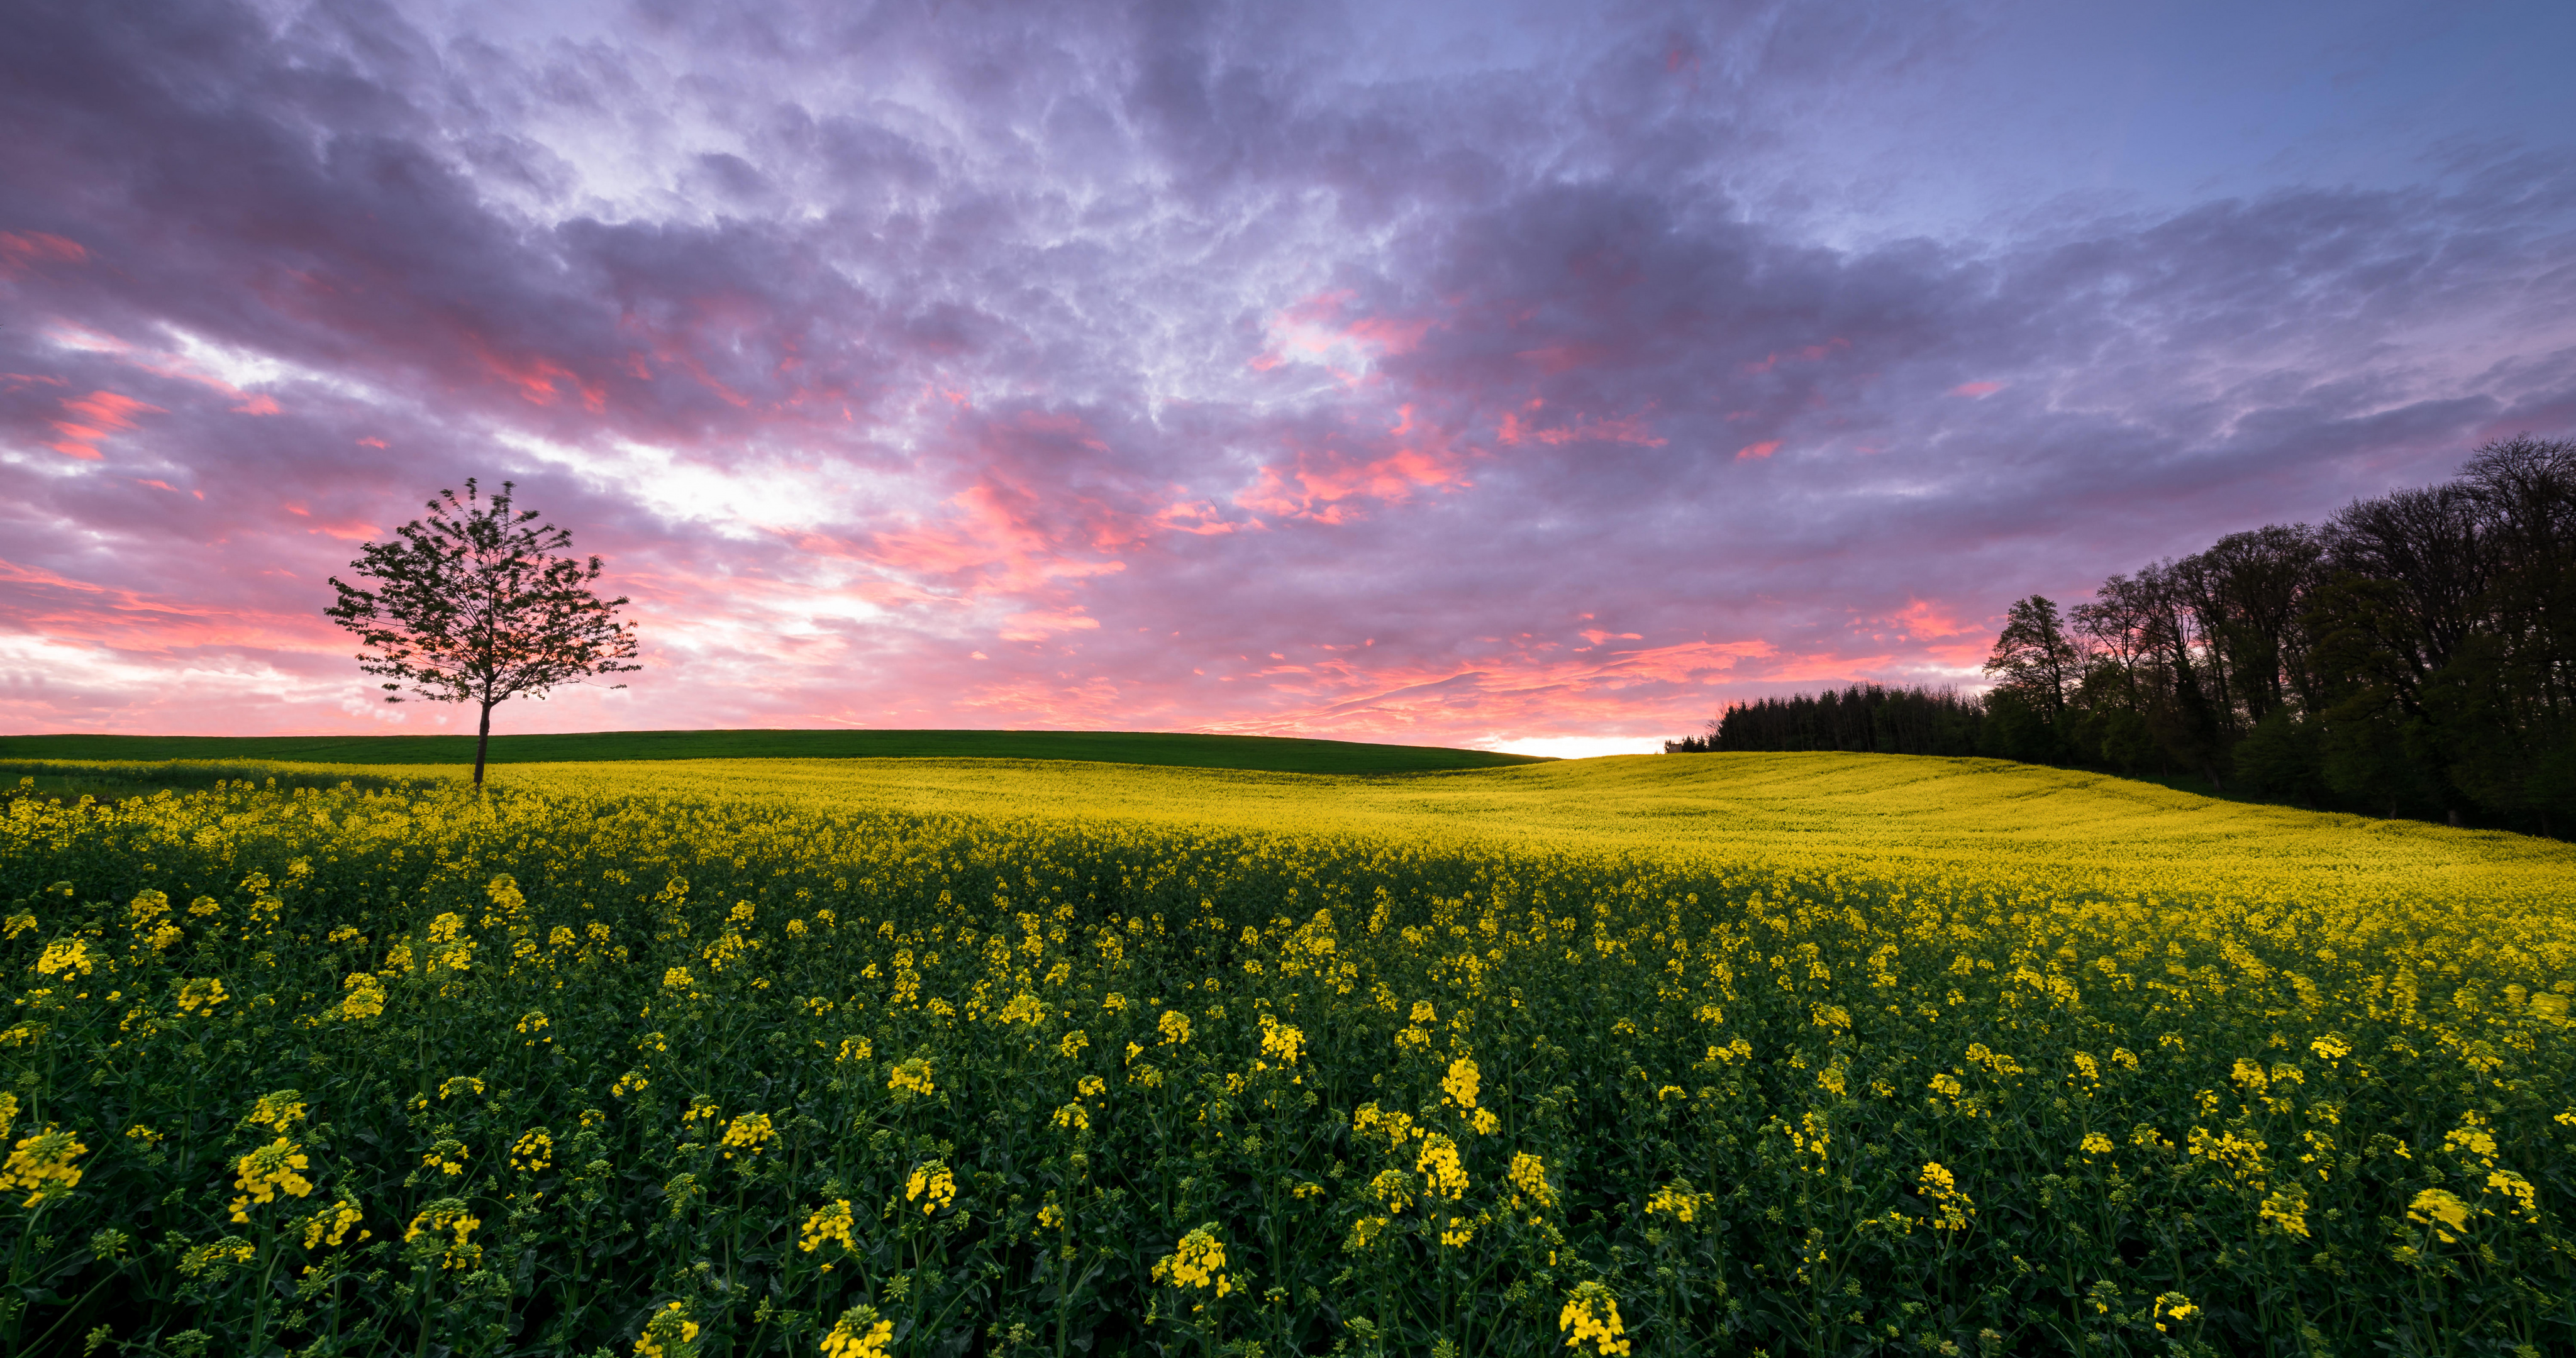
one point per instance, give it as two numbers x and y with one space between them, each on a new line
950 1057
1282 754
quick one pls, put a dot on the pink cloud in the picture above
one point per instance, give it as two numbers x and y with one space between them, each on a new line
1325 483
1813 353
535 376
21 251
93 416
1318 325
1516 427
1751 451
1039 624
1976 389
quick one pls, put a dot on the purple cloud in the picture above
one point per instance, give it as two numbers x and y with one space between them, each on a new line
1434 374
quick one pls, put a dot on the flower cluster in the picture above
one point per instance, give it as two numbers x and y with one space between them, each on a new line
1197 1261
275 1168
1591 1315
931 1185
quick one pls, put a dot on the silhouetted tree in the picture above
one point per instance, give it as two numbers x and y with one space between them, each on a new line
2415 655
1864 718
475 605
2037 663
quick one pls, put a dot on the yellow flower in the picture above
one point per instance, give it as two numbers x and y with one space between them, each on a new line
2517 1188
1175 1026
447 1156
1678 1201
932 1185
859 1334
2096 1144
911 1077
281 1110
1529 1176
365 1000
42 1164
1460 1083
1073 1043
330 1225
448 1215
1280 1042
856 1049
66 957
1593 1316
1198 1261
1812 1136
1440 1165
2173 1306
1393 1189
748 1134
2441 1210
1073 1117
533 1151
669 1334
829 1222
1950 1207
2472 1139
230 1252
268 1171
2285 1210
200 992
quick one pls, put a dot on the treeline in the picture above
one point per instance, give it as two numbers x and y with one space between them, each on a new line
1866 718
2413 656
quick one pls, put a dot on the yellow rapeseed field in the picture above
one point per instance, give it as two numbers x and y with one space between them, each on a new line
1764 1053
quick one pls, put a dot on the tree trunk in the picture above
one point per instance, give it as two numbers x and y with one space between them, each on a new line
482 739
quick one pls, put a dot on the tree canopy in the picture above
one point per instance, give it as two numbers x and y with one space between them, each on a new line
2413 655
480 603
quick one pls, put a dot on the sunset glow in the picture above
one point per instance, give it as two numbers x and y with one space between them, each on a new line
1534 379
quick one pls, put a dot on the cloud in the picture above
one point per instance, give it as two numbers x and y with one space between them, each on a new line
1183 367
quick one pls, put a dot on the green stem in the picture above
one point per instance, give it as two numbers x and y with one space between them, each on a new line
74 1309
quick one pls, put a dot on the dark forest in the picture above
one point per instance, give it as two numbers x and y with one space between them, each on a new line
2413 656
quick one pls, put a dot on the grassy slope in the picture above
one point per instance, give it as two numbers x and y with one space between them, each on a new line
1970 817
1891 815
1116 747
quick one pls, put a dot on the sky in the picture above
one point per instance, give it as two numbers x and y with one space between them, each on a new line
1525 376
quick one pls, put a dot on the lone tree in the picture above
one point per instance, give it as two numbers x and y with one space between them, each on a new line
475 605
